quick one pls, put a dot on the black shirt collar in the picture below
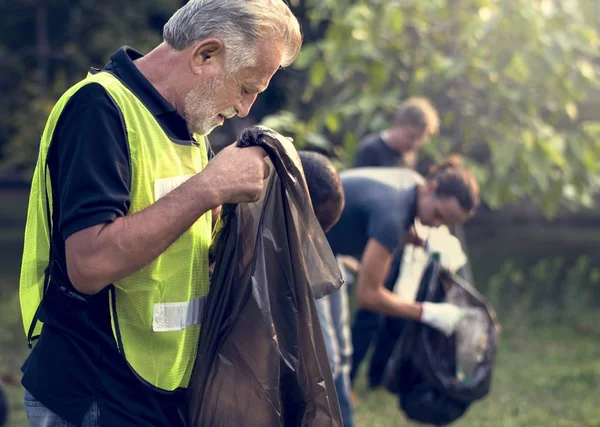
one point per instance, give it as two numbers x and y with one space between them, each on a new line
388 150
122 66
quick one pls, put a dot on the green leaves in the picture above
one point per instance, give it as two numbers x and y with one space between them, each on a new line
307 56
318 72
510 79
40 63
516 82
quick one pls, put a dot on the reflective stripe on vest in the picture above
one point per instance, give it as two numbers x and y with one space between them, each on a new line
176 316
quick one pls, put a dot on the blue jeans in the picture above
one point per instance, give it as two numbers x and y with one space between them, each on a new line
342 387
333 316
40 416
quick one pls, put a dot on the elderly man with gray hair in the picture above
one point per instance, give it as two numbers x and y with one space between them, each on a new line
115 263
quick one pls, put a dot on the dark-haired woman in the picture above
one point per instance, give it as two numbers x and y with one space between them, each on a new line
381 205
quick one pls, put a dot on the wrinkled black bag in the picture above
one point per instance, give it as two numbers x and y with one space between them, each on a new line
425 366
262 360
390 329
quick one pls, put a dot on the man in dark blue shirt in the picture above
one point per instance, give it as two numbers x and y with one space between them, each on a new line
414 122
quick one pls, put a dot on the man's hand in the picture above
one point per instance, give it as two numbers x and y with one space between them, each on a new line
105 253
443 316
236 175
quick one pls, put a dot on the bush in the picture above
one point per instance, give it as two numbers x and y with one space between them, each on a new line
550 291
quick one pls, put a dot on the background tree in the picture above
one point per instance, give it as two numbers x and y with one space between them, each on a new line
46 46
508 76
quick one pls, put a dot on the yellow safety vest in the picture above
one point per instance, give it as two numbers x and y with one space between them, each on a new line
155 312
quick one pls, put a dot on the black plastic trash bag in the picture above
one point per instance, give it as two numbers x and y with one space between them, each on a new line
390 328
439 377
262 360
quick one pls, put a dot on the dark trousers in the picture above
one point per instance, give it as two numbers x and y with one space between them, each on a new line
367 330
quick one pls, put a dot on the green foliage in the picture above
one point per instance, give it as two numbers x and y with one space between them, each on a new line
45 47
508 77
551 291
28 123
547 377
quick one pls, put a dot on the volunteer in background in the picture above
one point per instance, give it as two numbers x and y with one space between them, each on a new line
327 196
414 122
381 204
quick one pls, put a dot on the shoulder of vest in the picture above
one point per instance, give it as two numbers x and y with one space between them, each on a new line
107 80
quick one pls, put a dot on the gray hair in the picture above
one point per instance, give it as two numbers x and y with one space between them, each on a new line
240 24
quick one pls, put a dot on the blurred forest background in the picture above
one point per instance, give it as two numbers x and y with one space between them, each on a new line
517 86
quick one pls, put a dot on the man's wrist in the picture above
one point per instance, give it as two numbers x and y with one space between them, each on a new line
207 189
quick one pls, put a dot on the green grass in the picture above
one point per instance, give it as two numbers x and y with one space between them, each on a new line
490 246
17 416
13 212
13 353
12 340
548 377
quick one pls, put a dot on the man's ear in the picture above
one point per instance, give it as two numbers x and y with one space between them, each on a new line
208 52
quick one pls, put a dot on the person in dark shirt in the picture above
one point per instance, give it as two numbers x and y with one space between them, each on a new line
324 187
414 122
106 144
327 196
381 204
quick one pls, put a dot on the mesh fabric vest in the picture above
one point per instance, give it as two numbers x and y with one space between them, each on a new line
154 311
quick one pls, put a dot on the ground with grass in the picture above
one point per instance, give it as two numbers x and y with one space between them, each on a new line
549 377
548 366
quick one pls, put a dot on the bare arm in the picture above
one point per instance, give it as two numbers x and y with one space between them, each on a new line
370 291
104 253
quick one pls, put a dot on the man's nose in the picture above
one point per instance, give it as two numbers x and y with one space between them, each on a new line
245 104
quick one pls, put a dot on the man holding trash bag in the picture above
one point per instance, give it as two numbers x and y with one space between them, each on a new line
119 224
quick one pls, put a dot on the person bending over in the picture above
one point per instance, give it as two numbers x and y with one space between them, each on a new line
381 205
327 197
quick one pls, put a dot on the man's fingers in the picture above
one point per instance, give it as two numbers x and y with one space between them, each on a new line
258 150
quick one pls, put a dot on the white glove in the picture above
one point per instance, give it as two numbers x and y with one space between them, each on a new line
442 316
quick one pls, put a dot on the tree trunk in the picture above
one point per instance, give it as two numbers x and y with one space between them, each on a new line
43 45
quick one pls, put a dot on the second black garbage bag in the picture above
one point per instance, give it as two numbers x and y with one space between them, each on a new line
262 360
437 378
